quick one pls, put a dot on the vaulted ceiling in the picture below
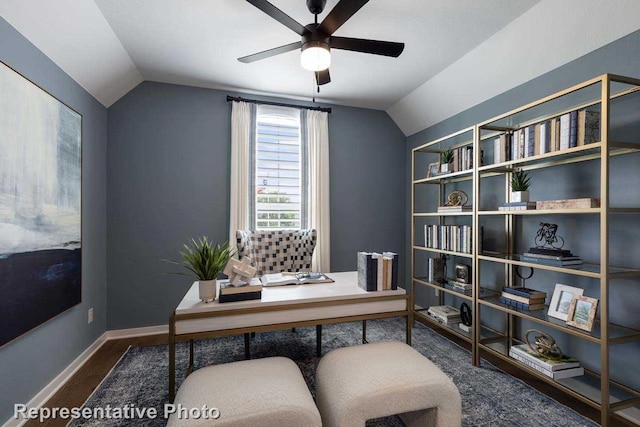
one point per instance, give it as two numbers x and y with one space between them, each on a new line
454 56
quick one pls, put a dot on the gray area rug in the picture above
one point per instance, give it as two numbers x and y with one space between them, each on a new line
489 396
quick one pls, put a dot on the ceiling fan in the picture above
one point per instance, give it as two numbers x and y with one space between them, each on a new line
317 40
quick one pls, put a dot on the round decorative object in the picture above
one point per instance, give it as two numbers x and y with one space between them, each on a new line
465 314
543 344
457 198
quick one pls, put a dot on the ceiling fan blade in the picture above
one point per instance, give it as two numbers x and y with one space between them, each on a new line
278 15
271 52
376 47
340 14
322 77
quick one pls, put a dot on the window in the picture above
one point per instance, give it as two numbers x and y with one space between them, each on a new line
278 169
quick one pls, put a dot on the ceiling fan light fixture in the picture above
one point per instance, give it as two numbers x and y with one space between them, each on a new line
315 56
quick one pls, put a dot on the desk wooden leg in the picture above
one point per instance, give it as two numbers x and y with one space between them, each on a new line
247 346
318 340
190 368
364 332
409 325
172 359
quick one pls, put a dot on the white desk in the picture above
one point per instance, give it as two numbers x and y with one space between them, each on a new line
282 307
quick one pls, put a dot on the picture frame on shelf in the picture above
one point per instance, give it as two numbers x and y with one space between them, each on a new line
582 312
433 169
561 300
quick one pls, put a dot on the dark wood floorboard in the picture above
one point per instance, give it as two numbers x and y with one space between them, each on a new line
76 391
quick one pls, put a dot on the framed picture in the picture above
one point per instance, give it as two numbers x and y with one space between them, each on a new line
561 300
582 312
40 205
433 169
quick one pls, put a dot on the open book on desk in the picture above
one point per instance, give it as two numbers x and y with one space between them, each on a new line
279 279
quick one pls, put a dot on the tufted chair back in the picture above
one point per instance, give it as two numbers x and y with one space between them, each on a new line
274 251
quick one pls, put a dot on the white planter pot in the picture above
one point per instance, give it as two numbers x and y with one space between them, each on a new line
519 196
207 290
444 167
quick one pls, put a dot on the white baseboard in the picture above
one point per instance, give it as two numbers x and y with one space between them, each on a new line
137 332
50 389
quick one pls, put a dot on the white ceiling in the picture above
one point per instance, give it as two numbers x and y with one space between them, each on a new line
110 46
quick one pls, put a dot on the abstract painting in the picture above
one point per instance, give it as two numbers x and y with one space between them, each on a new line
40 205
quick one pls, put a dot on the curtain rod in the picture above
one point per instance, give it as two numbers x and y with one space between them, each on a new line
277 104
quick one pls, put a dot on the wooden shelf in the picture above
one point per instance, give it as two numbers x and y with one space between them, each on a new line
421 315
437 214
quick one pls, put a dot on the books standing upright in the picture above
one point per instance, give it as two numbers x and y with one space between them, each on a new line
378 271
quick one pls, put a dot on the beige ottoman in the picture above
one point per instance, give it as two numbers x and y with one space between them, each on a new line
268 392
356 384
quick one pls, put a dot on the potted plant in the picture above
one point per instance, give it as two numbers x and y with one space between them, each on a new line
446 158
520 183
205 262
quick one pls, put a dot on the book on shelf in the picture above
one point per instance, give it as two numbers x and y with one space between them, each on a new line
573 129
517 206
556 375
551 262
302 278
446 312
525 292
461 290
550 251
525 300
551 257
565 362
435 270
588 127
228 288
565 130
454 238
520 305
439 319
455 208
582 203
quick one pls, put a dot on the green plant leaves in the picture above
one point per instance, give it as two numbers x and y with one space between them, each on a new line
202 259
520 181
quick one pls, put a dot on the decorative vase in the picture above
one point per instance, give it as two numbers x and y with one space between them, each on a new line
519 196
207 290
444 167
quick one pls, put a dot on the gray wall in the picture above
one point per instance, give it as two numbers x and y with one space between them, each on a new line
168 181
620 57
30 362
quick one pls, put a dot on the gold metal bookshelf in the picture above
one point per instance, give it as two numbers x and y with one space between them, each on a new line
604 94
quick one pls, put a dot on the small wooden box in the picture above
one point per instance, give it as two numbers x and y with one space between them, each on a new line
583 203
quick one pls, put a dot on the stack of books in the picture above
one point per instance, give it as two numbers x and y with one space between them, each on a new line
455 209
523 298
517 206
444 314
241 291
548 256
567 367
463 288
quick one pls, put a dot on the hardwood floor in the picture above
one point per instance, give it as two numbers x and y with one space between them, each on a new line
86 380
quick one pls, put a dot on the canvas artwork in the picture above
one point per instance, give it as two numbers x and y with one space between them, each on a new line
40 205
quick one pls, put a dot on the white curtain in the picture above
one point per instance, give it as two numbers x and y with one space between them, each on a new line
241 131
319 213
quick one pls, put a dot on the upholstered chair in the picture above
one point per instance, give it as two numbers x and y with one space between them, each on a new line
275 251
